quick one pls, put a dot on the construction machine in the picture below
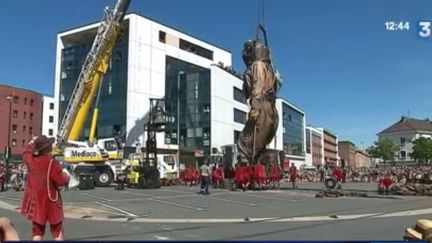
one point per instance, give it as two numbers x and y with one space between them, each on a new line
92 157
143 170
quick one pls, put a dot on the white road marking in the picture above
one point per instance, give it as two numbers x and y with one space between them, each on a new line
93 196
226 200
265 220
117 209
11 198
269 198
407 213
177 204
152 198
158 237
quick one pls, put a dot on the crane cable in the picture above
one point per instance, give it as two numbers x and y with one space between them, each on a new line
261 27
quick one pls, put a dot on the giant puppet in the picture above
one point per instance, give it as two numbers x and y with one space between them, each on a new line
260 86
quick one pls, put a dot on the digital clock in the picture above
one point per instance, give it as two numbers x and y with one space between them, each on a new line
393 26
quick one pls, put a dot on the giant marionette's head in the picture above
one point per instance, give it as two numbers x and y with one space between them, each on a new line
254 50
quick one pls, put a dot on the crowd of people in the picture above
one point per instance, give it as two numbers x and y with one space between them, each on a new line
402 175
258 175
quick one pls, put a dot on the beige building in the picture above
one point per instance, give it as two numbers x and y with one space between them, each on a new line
403 133
347 153
362 159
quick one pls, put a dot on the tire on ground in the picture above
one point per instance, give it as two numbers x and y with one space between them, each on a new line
330 183
103 178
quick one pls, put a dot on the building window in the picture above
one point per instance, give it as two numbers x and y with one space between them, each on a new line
15 99
24 128
31 102
31 130
25 101
109 88
239 116
198 50
51 119
50 132
239 95
403 155
236 135
402 141
25 115
15 113
14 141
23 143
51 106
14 128
162 36
31 116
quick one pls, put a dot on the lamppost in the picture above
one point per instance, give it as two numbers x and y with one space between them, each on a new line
178 114
8 146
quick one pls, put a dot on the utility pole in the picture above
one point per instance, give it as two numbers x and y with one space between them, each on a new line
8 147
178 114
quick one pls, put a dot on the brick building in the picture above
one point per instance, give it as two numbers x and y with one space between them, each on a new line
330 147
24 109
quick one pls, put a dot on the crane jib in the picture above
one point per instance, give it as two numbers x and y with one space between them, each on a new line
91 73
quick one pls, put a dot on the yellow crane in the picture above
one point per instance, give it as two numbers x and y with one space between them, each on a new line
87 156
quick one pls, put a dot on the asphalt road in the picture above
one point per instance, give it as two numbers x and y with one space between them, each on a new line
179 213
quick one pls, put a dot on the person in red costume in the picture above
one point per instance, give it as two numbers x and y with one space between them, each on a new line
217 176
338 175
260 176
384 183
238 176
275 175
293 175
195 176
41 202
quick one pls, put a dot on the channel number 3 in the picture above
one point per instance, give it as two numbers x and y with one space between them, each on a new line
425 29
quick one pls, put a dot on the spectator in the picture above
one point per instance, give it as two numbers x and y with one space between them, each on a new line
41 202
205 178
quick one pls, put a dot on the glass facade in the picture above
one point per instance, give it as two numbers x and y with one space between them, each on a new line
239 116
308 141
112 100
238 95
293 135
193 105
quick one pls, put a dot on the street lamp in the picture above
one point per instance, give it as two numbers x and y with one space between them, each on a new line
8 146
178 114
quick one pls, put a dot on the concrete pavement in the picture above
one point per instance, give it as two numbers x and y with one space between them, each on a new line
179 213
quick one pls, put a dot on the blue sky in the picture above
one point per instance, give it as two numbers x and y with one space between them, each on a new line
339 63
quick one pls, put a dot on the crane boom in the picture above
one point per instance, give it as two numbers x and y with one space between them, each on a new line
94 67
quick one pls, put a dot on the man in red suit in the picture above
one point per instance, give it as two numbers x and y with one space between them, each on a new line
260 176
293 175
41 202
338 175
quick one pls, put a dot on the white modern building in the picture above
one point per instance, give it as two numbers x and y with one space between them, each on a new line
153 60
49 125
403 133
291 133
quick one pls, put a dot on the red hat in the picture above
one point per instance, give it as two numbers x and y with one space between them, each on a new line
42 143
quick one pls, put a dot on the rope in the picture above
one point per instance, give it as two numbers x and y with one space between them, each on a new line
48 184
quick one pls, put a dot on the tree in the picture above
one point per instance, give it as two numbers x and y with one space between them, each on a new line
383 148
422 150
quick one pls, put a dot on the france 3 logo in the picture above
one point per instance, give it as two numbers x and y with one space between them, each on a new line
424 29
